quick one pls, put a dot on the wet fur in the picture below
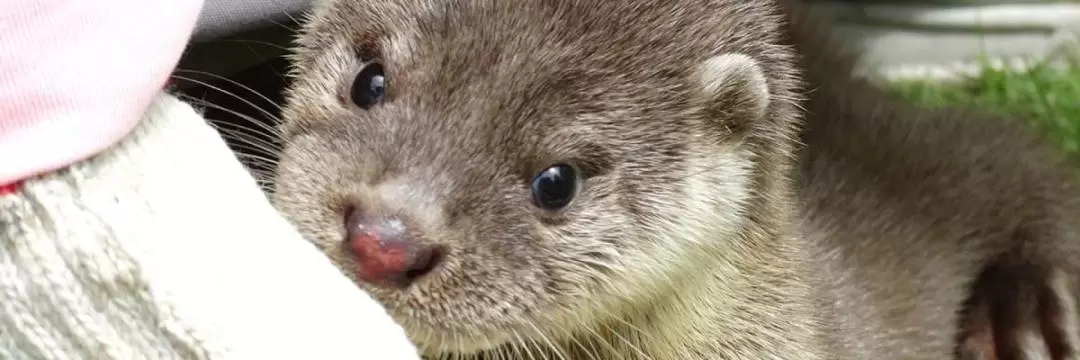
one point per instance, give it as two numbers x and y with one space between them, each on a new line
688 240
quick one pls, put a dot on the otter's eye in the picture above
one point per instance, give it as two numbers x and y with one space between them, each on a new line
369 87
555 187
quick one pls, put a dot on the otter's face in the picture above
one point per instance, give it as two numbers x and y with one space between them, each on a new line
490 169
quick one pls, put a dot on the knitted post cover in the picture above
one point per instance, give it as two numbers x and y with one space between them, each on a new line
163 247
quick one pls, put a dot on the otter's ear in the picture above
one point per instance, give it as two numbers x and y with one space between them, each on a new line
734 89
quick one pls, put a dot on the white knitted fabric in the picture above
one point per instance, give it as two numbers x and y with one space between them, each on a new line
164 248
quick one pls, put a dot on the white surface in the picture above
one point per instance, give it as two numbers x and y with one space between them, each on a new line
905 41
164 248
998 15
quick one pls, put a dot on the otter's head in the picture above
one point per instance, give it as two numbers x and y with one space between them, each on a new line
498 171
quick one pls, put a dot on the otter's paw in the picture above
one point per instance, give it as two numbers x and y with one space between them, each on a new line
1020 312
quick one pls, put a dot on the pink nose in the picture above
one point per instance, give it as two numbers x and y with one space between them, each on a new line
386 255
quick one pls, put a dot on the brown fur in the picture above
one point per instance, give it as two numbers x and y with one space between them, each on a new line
484 93
932 216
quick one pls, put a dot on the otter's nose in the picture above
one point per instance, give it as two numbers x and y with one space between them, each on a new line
386 254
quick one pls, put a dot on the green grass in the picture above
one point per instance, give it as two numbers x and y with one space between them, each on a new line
1049 97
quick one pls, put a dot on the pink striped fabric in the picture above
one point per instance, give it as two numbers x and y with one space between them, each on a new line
76 75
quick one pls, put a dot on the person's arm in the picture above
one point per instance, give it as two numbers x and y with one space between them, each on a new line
127 228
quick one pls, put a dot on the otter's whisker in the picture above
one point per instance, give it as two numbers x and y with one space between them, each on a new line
460 345
641 354
250 150
234 82
293 19
250 156
521 345
628 324
492 348
567 334
258 127
257 42
604 342
512 348
541 351
268 114
540 333
500 354
425 340
249 136
442 342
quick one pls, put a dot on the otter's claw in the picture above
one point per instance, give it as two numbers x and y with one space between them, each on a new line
1020 312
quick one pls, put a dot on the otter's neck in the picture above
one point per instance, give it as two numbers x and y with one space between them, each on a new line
744 294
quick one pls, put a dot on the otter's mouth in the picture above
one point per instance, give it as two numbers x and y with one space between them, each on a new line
450 344
519 346
513 339
519 349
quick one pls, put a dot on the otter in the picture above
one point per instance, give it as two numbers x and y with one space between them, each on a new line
624 180
935 216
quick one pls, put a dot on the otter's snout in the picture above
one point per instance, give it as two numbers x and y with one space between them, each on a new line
386 252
